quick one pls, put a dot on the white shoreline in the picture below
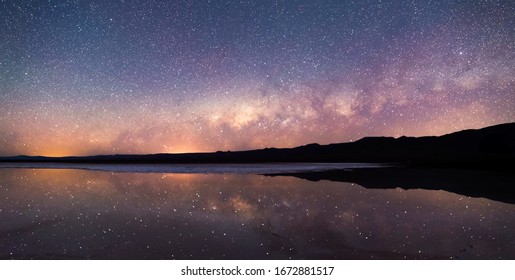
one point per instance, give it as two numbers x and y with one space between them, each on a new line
247 168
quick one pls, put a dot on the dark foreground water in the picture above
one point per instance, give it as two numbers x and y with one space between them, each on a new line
85 214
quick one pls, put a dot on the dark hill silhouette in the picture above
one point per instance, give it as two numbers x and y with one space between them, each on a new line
490 147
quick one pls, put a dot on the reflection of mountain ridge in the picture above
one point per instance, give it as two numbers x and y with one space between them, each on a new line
237 216
475 183
490 147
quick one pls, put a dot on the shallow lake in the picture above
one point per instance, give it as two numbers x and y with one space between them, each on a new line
61 213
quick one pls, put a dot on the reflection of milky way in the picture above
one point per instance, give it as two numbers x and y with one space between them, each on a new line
173 76
91 214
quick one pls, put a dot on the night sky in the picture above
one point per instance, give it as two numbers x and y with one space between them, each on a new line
104 77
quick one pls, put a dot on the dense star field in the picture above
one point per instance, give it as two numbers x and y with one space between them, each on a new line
102 77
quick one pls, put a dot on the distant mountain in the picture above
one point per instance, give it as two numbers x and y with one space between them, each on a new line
492 146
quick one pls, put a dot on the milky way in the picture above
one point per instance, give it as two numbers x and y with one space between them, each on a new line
102 77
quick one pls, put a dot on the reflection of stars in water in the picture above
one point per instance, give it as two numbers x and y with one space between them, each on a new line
126 215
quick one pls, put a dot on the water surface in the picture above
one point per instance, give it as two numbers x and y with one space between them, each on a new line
86 214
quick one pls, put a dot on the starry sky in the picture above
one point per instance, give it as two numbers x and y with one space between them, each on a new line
103 77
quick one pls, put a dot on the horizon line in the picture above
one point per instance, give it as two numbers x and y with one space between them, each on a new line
256 149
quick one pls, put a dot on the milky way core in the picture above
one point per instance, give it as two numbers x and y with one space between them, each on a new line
103 77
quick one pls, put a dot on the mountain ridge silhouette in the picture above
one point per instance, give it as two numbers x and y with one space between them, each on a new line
492 146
